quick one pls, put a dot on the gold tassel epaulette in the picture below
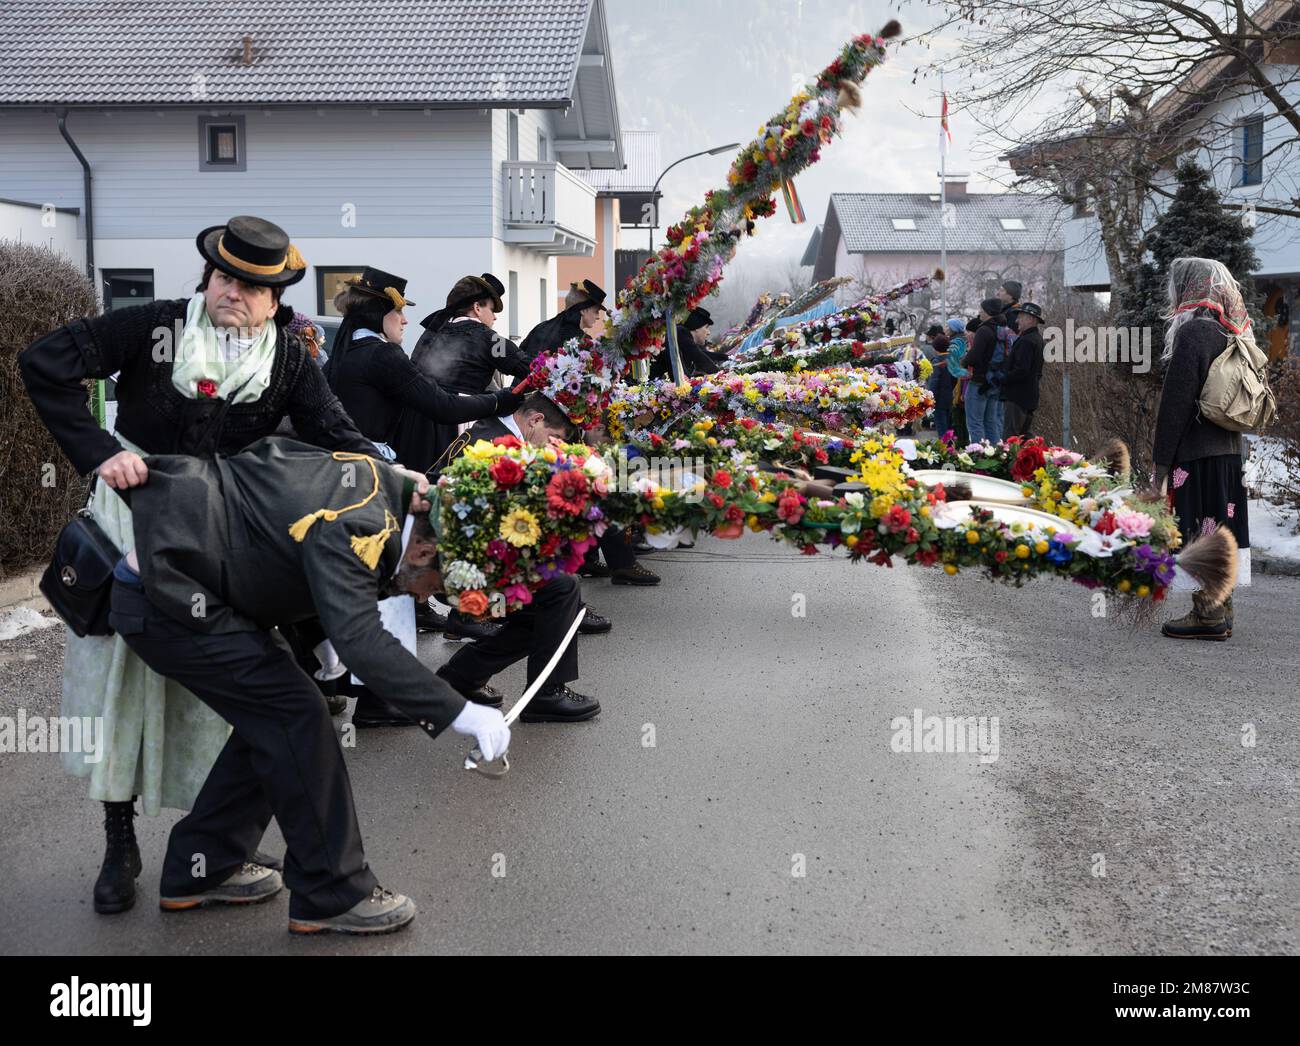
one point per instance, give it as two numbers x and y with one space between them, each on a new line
367 549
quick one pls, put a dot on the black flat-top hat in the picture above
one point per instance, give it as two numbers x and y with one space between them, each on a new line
380 284
698 318
595 296
1028 308
469 289
253 250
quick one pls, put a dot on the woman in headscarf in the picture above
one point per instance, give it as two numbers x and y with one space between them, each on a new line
230 374
1198 463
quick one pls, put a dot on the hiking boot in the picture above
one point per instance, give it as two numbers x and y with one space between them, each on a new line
593 624
634 575
593 569
462 626
559 704
382 912
1227 614
251 884
115 887
1203 621
478 693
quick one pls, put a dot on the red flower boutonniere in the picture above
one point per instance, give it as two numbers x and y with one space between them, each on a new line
207 389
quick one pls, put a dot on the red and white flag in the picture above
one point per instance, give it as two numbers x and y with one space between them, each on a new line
943 123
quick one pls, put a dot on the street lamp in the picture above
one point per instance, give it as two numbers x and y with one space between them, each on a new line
654 193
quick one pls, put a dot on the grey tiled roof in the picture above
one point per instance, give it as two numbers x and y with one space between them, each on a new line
865 221
161 52
641 154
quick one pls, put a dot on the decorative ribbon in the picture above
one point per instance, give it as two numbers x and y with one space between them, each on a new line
792 204
367 549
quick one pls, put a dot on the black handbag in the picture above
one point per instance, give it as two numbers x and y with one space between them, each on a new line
79 579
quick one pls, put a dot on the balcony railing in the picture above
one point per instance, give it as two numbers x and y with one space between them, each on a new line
548 209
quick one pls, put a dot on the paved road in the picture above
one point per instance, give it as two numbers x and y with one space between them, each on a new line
772 747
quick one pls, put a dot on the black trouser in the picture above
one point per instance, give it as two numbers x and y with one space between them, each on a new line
617 549
283 758
1016 421
534 631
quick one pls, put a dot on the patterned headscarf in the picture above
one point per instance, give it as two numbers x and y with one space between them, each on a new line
1203 283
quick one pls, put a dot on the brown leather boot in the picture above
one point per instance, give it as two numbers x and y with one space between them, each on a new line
1204 621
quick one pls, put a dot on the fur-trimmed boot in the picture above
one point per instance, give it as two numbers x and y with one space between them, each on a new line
1206 620
115 887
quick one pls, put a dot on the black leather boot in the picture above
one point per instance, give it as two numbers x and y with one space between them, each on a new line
115 887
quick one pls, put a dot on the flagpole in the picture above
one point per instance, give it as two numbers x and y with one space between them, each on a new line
943 202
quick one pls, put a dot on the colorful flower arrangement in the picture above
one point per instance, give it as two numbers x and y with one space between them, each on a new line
578 377
831 400
689 266
512 517
880 356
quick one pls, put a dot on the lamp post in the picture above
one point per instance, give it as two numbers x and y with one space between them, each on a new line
674 353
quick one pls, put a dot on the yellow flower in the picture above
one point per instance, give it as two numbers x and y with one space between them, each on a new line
1125 585
484 451
1143 591
1041 548
871 447
972 537
851 540
1022 551
549 455
949 569
880 505
925 511
520 528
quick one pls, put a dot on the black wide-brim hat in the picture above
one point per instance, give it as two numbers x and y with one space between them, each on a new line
470 289
380 284
253 250
595 296
698 318
1028 308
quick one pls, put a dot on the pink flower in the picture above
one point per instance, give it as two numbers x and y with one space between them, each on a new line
518 594
1133 524
1232 509
582 546
1180 477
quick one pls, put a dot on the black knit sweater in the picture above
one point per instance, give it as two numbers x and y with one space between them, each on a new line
151 411
1182 435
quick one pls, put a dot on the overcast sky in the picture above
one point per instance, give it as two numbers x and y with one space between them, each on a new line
707 72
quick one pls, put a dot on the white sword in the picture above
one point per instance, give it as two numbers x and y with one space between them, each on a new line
475 760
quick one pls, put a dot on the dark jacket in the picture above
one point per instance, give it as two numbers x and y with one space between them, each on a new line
151 411
1024 371
462 356
220 529
980 356
1182 435
695 360
376 380
550 334
942 384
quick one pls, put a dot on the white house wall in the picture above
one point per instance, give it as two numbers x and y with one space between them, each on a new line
56 230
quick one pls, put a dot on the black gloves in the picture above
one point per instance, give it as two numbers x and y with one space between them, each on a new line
508 402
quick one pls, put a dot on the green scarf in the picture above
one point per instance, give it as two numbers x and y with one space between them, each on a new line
207 353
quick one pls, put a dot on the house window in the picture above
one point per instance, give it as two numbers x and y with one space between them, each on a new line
1252 151
1012 224
126 287
1082 202
512 136
330 280
546 305
512 286
221 143
904 224
543 148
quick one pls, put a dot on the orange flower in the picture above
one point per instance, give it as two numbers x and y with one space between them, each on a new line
474 603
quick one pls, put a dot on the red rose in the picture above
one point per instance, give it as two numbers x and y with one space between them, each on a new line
1028 461
735 514
207 388
1000 556
1106 524
821 456
506 471
722 479
716 501
897 519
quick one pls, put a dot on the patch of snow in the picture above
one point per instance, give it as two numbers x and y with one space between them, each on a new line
21 620
1274 529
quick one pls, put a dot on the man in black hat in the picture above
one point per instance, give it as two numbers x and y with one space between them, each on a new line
536 630
1024 372
692 337
582 308
275 535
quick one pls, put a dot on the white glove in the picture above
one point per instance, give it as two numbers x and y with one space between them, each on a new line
487 726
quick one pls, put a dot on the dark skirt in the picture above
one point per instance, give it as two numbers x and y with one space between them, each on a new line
1207 492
